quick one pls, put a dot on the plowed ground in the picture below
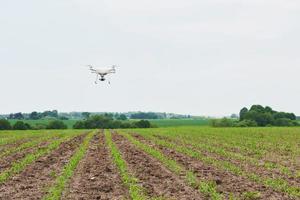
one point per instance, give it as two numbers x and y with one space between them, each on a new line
97 176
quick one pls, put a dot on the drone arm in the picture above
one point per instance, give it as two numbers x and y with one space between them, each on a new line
96 81
92 68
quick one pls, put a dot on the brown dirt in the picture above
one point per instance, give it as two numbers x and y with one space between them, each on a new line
96 177
14 144
34 181
7 161
227 182
259 170
153 176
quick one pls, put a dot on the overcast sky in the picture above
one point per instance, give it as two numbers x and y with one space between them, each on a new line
208 57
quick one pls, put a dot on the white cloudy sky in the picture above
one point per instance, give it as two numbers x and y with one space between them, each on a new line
208 57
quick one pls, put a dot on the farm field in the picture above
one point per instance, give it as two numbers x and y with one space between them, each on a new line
179 122
162 163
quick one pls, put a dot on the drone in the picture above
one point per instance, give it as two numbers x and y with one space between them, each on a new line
102 72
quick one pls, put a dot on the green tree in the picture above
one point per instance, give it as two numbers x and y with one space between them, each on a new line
261 118
257 108
20 125
243 112
86 115
283 122
79 125
142 124
122 117
290 116
56 124
16 116
4 124
269 109
224 122
34 115
246 123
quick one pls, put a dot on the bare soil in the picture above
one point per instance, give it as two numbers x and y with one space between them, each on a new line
34 181
14 144
96 177
7 161
227 183
152 175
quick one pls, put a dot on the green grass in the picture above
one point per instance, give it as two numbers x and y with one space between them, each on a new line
179 122
55 192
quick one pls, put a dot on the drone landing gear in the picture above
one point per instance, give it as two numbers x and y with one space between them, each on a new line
102 78
96 81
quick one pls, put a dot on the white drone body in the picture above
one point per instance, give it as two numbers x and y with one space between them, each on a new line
102 72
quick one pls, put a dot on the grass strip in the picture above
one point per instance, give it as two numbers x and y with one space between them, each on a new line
55 192
207 188
136 192
19 166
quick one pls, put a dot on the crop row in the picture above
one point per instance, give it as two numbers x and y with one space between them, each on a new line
29 144
218 150
275 183
207 188
227 146
19 165
281 141
55 192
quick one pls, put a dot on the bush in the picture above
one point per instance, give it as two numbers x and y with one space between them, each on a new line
56 124
126 125
20 125
122 117
79 125
4 124
261 118
142 124
283 122
40 126
107 122
246 123
224 122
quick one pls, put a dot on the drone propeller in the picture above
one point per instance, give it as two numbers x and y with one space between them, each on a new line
91 68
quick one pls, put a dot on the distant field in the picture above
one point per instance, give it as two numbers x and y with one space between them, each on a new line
179 122
140 164
69 123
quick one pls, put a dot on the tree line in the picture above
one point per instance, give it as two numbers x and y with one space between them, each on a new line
108 122
21 125
54 114
91 122
260 116
35 115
